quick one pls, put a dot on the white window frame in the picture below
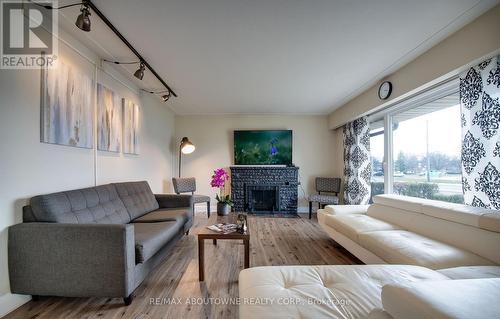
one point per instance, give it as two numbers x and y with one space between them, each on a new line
449 87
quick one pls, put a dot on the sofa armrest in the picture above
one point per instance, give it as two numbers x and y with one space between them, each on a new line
71 260
379 314
345 209
174 200
464 298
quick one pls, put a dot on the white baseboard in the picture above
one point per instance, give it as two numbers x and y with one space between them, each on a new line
10 302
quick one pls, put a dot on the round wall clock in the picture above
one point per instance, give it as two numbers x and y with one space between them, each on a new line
384 90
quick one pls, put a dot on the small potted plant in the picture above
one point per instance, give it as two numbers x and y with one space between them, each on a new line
220 178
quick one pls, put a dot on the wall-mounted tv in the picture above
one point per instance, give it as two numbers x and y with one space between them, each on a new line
263 147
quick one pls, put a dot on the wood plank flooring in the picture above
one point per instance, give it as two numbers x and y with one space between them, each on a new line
274 241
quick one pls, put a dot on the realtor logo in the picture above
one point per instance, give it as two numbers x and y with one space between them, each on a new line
28 34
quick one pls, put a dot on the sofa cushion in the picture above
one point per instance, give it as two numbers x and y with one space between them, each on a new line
458 213
354 224
471 272
445 299
346 209
473 239
137 198
100 204
164 215
341 291
151 237
412 204
490 221
404 247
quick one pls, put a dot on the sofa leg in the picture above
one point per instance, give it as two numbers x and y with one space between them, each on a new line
35 297
128 300
208 209
310 209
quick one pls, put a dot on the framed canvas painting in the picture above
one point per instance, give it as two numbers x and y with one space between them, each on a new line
109 120
130 127
66 107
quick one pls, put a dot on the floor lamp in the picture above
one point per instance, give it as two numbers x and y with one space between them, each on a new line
186 147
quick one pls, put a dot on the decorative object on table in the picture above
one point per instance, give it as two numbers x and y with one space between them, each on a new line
220 179
109 120
186 147
241 222
66 107
224 228
328 185
480 114
188 185
130 127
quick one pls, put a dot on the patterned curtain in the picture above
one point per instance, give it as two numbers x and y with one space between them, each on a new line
357 164
480 111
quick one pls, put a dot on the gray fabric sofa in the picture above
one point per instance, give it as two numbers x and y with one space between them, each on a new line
95 242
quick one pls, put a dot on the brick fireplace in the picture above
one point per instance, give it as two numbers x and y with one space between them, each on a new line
266 189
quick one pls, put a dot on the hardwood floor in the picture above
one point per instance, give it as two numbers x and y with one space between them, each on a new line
274 241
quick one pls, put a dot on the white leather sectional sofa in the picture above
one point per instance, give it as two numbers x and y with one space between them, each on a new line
406 230
427 259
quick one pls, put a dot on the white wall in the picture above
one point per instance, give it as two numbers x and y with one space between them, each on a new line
28 167
313 145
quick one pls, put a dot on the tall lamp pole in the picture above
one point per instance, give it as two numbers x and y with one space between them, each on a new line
186 147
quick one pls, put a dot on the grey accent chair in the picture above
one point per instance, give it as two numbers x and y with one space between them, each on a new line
95 242
329 185
188 185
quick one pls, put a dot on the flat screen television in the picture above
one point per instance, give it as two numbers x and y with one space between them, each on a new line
263 147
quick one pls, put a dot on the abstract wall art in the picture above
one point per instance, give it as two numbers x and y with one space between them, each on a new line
130 127
109 120
66 107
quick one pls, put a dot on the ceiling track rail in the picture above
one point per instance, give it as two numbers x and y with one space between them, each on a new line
127 43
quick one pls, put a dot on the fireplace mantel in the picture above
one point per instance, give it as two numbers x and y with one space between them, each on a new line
284 178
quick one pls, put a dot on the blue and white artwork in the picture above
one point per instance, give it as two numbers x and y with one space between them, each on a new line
109 120
66 107
130 127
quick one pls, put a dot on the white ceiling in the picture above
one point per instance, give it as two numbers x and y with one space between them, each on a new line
273 56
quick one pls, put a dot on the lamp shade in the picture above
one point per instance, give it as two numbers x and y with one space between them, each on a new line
186 146
83 20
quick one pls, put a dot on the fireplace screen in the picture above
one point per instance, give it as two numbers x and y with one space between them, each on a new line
262 198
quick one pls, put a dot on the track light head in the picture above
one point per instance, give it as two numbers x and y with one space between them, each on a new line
140 72
83 20
165 97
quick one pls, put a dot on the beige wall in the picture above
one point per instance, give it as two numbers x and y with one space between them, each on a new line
477 39
28 167
313 145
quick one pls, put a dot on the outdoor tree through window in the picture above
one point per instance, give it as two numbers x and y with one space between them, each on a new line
426 151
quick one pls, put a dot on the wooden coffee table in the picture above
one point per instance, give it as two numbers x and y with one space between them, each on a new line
205 233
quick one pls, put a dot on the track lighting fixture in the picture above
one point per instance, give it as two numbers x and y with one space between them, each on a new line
165 95
84 24
83 20
140 72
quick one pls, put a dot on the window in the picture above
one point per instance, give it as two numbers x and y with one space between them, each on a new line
421 151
